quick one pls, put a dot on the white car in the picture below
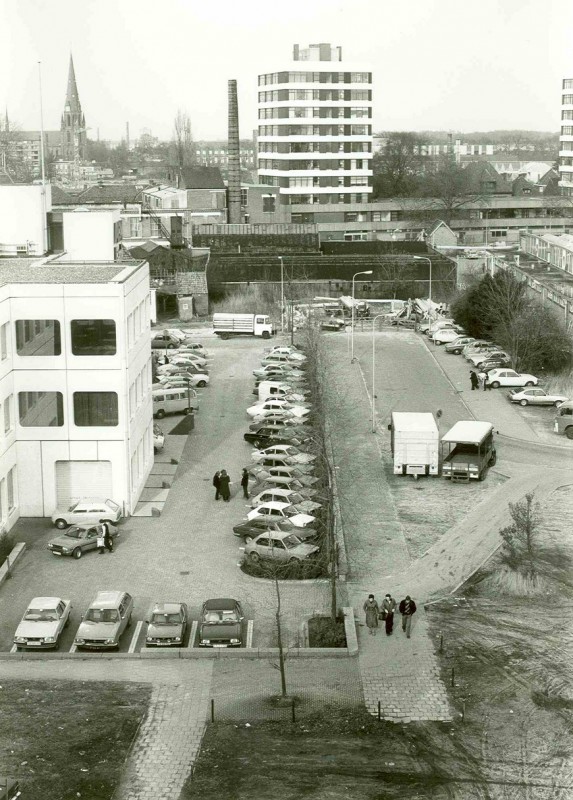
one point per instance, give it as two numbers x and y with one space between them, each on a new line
281 350
42 624
280 495
187 358
263 408
278 510
446 335
283 450
509 377
87 511
177 381
478 358
285 416
536 397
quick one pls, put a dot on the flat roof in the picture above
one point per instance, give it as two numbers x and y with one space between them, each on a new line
468 432
16 270
409 420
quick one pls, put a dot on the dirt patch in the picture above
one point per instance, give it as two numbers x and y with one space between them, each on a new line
323 632
64 740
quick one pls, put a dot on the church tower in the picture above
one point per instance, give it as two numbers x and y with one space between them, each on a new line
73 124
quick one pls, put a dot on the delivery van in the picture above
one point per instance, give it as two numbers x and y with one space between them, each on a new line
173 401
563 422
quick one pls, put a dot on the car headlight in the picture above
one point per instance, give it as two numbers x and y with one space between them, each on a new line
110 641
205 641
20 639
79 641
49 639
65 549
176 638
235 641
149 639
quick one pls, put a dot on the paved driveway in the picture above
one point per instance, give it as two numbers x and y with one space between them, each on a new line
190 552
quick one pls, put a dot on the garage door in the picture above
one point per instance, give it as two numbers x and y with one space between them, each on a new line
75 479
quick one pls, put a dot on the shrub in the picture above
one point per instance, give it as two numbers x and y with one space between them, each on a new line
324 632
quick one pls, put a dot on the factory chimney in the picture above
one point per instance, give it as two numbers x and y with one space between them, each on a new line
234 181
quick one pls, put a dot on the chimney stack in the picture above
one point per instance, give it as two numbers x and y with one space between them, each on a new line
234 181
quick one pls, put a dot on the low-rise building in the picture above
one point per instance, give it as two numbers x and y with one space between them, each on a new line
24 215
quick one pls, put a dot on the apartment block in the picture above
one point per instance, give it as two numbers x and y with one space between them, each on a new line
566 139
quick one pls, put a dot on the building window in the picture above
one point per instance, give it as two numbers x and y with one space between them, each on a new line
4 341
567 99
38 337
244 197
93 337
11 494
95 409
499 233
8 414
269 203
41 409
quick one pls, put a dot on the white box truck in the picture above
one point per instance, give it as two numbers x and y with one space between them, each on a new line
226 325
415 442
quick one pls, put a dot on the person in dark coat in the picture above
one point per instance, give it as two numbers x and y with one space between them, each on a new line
217 483
245 483
407 608
224 486
372 611
107 540
474 380
388 609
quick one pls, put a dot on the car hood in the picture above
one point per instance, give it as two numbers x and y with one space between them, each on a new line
306 506
304 549
300 520
164 631
69 542
220 630
31 629
97 630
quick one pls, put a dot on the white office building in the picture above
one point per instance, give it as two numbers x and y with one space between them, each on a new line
315 131
566 139
75 384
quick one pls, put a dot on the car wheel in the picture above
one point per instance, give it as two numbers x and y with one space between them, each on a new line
61 524
495 385
493 460
201 384
255 557
160 414
569 432
523 403
530 383
266 335
557 403
186 410
77 553
171 346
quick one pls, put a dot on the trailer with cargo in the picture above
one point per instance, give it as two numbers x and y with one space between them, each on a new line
415 443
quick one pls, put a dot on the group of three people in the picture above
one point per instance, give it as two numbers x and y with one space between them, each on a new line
385 612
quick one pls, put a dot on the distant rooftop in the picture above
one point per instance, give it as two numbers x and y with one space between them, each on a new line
24 270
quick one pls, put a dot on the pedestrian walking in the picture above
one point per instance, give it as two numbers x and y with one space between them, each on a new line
107 540
372 612
407 608
100 540
388 609
474 380
224 486
217 483
245 483
482 378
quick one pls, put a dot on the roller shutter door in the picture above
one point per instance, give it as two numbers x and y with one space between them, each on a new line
76 479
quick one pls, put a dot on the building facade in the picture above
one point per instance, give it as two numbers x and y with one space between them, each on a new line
24 212
566 139
315 130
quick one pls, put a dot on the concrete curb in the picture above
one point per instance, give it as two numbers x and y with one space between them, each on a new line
15 554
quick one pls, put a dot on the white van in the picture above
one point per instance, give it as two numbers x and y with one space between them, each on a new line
274 389
173 401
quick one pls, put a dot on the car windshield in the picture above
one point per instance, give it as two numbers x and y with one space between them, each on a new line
76 533
291 541
218 616
41 615
166 619
102 615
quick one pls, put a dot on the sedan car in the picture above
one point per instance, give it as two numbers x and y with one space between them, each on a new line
164 342
179 369
294 453
221 623
291 473
285 417
42 624
178 380
107 617
278 369
166 625
276 404
494 361
536 397
87 511
445 335
193 347
78 539
250 529
457 345
278 546
477 359
188 358
265 437
509 377
475 346
285 349
275 494
489 347
332 325
284 510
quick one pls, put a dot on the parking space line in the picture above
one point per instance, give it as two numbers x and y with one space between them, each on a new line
135 636
193 634
250 624
13 649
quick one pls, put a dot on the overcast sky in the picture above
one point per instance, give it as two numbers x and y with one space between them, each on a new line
437 64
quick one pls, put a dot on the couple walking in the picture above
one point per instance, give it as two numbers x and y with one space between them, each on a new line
374 612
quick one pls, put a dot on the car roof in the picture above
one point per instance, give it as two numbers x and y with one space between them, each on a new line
167 608
274 504
219 603
45 602
107 598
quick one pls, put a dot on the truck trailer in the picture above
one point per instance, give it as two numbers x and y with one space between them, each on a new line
415 442
226 325
468 450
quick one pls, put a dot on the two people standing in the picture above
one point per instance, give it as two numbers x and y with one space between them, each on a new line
222 484
374 612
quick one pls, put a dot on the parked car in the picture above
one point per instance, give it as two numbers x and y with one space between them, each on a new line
42 624
446 335
221 623
249 529
167 625
536 397
457 345
472 350
509 377
276 404
475 346
181 400
164 342
281 423
291 473
278 546
282 417
87 511
295 453
286 349
184 379
158 438
79 539
106 618
175 368
193 347
494 361
188 358
284 510
278 461
426 324
282 359
275 494
288 372
294 485
480 358
332 325
180 335
265 436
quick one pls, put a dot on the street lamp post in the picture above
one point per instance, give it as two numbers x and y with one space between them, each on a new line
366 272
282 296
425 258
374 371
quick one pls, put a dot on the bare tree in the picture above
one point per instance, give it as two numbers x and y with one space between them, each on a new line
399 164
183 140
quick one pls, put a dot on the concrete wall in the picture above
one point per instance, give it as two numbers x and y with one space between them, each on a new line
23 222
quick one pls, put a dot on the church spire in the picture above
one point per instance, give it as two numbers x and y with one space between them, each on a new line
72 96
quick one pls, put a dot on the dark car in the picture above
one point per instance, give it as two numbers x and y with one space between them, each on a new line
249 529
493 362
265 436
167 624
78 539
221 623
332 325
